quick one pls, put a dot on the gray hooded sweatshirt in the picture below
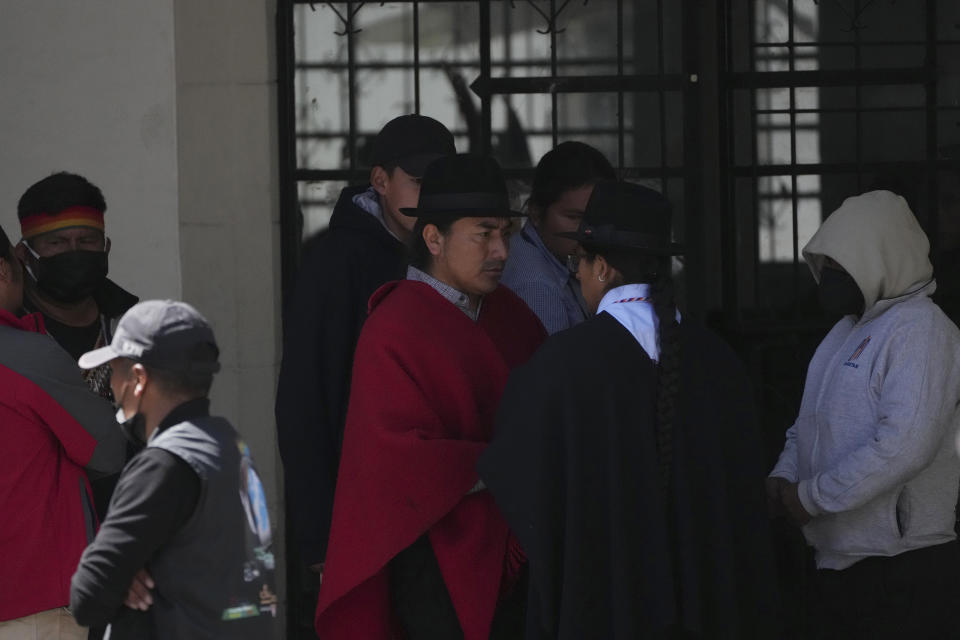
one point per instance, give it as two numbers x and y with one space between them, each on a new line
873 446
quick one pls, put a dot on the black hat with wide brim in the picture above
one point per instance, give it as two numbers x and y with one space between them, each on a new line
629 216
462 186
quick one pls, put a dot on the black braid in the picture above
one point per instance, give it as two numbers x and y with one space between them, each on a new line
668 391
633 267
668 383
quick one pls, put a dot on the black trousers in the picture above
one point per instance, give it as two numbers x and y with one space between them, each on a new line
423 606
915 595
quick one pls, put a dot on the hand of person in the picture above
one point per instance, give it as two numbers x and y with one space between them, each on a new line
138 595
774 503
790 497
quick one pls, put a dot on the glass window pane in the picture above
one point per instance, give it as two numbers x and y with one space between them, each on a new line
948 74
838 137
384 32
322 119
773 139
316 200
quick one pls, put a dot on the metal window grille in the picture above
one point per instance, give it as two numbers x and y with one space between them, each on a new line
511 78
756 118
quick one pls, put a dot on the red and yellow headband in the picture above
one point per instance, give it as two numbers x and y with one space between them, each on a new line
38 223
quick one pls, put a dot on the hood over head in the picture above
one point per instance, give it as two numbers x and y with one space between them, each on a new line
878 241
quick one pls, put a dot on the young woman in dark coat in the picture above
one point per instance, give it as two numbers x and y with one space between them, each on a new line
627 457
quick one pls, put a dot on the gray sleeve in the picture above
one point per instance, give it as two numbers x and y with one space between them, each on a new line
42 361
786 466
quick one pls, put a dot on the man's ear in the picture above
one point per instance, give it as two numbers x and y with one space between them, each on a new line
433 239
379 179
106 245
20 250
140 377
602 269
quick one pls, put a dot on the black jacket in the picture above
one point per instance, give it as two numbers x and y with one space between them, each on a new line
341 268
190 509
574 468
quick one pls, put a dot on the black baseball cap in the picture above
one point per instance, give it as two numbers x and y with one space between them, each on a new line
165 334
411 142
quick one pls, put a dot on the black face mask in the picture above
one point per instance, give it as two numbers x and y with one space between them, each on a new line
134 428
839 293
70 276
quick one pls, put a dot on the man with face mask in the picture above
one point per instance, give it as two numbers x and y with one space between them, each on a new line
54 433
186 544
64 249
64 253
868 469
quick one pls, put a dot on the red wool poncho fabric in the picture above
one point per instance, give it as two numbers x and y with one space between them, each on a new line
426 385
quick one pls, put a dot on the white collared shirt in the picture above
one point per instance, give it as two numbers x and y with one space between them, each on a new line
632 307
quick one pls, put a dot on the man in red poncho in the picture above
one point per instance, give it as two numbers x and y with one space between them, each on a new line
417 547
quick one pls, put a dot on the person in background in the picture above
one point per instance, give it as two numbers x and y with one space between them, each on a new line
417 547
186 549
869 469
64 250
55 433
627 454
363 248
537 270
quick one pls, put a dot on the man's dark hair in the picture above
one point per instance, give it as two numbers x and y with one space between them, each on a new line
570 165
192 384
6 252
420 255
60 191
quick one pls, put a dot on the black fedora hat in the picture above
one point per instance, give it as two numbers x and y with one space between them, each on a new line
462 186
627 215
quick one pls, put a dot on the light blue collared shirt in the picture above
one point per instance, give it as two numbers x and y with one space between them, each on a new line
543 282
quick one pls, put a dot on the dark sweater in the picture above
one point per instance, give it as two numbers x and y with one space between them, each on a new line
155 497
341 269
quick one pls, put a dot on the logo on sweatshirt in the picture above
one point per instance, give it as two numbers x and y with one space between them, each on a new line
851 361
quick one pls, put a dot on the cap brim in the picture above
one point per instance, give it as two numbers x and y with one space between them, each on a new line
97 357
417 165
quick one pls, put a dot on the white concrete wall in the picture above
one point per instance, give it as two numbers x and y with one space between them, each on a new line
170 107
88 87
229 209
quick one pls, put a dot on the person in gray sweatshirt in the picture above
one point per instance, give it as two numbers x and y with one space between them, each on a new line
869 469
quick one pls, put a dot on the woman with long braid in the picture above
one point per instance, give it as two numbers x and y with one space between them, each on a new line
627 458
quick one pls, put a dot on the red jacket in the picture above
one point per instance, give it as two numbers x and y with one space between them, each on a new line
426 384
51 427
